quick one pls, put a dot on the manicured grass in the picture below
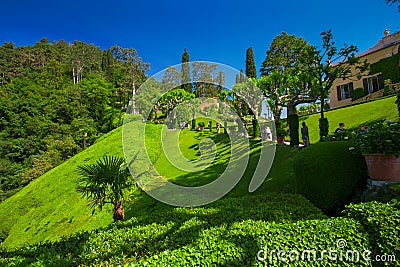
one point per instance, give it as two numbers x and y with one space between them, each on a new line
50 208
352 116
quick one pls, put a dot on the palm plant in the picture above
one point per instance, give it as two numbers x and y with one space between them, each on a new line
104 182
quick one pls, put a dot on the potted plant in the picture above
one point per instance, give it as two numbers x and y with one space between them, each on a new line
280 135
380 146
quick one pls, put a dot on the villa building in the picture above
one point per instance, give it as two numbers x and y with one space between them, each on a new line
383 77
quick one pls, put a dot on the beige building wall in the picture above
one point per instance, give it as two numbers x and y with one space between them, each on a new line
373 55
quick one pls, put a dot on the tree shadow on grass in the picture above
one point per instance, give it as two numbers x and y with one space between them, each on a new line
155 227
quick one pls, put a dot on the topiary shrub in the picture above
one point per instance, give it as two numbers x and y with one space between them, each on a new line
328 174
323 128
194 124
293 121
256 128
358 93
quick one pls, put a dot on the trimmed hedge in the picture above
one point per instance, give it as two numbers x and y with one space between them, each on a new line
293 121
185 237
158 227
328 174
382 222
323 128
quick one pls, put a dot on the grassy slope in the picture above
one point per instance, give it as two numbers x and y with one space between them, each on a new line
353 116
49 207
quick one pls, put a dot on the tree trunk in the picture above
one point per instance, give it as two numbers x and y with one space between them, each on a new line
133 105
291 109
322 108
118 212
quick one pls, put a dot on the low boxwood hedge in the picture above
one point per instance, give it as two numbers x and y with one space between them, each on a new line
185 237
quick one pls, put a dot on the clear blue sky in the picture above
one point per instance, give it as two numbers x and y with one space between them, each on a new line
218 31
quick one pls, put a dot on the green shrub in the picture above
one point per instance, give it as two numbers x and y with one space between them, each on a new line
213 236
358 93
386 90
328 174
382 222
293 121
323 128
256 128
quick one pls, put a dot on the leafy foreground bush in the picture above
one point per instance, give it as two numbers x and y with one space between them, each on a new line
156 227
189 240
328 174
382 222
213 236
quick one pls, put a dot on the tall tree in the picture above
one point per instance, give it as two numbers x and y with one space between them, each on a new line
250 64
203 77
328 64
136 68
284 57
171 78
185 72
220 80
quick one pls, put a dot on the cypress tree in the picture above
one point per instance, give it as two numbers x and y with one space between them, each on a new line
242 78
237 80
186 85
250 64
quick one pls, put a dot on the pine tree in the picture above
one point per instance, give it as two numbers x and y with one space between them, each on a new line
186 85
250 64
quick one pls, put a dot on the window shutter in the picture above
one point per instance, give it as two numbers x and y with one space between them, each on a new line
339 95
380 82
365 85
351 89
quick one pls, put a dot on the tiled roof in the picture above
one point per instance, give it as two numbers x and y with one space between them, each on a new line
386 41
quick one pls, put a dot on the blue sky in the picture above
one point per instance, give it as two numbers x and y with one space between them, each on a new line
218 31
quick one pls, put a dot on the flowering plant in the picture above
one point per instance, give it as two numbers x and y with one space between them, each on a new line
380 138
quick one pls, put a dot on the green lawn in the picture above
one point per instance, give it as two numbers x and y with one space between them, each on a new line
49 207
353 116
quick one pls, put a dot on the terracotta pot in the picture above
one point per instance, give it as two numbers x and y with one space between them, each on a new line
280 139
383 167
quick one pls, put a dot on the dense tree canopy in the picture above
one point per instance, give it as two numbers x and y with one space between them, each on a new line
51 95
284 79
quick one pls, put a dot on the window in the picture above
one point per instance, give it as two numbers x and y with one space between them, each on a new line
373 84
345 91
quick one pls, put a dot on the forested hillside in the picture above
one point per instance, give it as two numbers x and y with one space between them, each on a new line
55 98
